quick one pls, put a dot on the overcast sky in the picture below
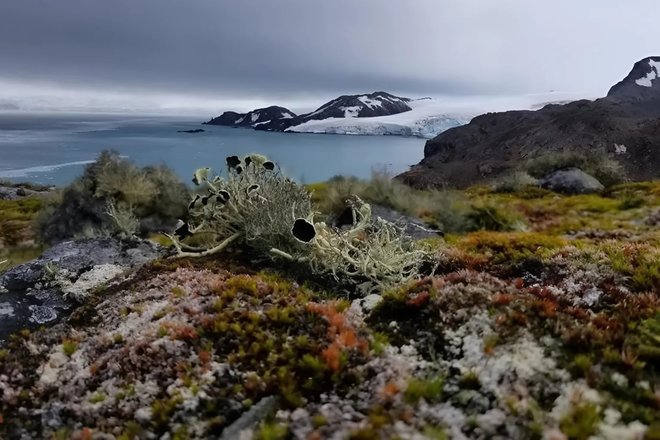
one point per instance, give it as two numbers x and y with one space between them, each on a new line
217 54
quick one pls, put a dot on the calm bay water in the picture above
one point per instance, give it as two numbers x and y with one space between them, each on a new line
53 149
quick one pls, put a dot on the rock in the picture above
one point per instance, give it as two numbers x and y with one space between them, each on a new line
624 125
251 419
571 181
18 192
44 290
196 130
413 227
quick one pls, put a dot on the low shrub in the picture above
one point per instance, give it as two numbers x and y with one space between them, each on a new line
488 217
514 182
442 209
114 195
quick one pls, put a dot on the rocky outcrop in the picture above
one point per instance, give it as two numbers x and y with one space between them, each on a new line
15 192
277 118
46 289
624 125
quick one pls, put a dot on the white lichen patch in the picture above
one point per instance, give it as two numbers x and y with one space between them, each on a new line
93 278
512 365
6 309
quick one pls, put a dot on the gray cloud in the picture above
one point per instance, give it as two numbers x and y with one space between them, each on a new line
296 50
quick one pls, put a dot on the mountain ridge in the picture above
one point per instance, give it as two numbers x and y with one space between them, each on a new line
624 125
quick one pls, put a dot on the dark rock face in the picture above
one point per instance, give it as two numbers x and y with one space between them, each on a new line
571 181
277 118
227 118
624 125
641 84
28 299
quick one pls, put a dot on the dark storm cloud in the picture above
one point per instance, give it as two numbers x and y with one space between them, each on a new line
278 49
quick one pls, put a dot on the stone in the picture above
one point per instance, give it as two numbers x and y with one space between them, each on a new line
571 181
49 288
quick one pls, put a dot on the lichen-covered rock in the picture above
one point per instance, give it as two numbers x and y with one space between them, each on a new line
44 290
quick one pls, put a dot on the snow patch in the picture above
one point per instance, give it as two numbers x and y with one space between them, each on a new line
620 149
371 103
261 123
647 81
254 117
351 112
286 115
239 120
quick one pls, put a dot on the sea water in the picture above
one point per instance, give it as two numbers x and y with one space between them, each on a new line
54 148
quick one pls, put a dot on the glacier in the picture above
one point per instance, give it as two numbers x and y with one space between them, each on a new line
425 120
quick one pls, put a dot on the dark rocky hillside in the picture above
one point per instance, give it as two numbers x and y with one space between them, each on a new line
268 118
276 118
624 125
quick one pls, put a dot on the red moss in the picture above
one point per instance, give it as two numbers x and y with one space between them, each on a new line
420 299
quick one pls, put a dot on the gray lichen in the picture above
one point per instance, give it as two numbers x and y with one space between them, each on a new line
256 205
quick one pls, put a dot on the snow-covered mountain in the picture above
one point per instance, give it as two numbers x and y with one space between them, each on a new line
359 106
346 106
426 118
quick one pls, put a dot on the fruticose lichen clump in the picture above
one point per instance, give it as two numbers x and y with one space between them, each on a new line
257 206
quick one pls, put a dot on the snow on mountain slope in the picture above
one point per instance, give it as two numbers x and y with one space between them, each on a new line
426 119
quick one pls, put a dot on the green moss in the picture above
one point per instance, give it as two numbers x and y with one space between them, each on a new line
272 431
427 389
435 433
97 397
132 430
653 431
488 217
511 248
162 410
178 292
649 338
582 363
69 346
319 420
379 342
582 422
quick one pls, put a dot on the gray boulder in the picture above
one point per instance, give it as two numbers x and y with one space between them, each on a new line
412 227
571 181
44 290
